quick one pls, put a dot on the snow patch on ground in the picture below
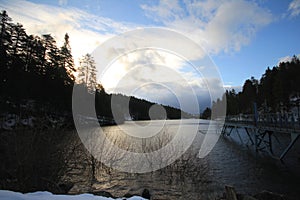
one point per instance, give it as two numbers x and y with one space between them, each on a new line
9 195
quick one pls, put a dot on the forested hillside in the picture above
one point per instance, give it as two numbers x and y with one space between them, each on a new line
278 89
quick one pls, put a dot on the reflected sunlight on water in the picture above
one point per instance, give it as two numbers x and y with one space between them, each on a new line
190 177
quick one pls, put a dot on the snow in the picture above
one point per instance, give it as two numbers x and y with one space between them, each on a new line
10 195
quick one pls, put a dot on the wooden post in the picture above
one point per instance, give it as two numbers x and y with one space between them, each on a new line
255 113
255 118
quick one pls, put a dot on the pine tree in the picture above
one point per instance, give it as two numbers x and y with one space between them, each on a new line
5 35
66 57
5 40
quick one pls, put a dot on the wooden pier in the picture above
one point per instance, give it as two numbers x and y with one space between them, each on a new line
261 130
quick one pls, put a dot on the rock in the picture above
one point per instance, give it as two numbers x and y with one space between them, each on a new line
230 194
146 194
103 193
65 187
129 195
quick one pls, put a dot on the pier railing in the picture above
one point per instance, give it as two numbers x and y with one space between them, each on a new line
280 121
261 128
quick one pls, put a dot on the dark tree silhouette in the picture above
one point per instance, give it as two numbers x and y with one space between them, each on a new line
272 93
206 114
67 59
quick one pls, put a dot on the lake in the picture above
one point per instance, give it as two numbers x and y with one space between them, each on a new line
176 176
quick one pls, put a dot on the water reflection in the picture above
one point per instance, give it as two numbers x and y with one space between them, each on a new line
187 177
191 177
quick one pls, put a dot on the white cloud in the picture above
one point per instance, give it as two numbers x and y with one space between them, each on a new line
218 25
286 59
294 8
232 87
140 66
86 31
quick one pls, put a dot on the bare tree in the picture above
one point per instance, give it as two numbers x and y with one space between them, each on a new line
88 72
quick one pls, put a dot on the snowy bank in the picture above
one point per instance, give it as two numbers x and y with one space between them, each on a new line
9 195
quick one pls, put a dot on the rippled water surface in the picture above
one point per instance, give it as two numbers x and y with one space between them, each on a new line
231 162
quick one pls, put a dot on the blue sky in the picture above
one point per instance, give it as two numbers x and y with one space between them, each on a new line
242 37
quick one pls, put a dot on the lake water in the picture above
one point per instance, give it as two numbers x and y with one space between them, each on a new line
188 177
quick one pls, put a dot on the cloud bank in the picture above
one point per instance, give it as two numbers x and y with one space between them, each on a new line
218 25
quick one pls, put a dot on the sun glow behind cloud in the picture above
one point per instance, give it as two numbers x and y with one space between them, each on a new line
157 75
140 60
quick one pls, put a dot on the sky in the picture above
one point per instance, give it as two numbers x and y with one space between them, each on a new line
241 37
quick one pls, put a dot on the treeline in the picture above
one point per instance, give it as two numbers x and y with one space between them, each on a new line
277 90
139 109
34 68
121 107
